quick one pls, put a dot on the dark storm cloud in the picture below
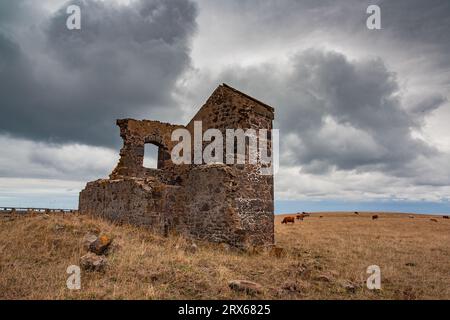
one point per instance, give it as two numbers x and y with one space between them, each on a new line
72 85
409 27
422 27
418 21
335 112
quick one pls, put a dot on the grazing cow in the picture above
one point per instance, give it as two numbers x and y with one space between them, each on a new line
411 216
299 217
321 217
374 217
445 217
288 220
305 214
434 220
356 212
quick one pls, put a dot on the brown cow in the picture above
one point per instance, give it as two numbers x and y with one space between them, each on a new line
299 217
434 220
445 217
375 216
288 219
411 216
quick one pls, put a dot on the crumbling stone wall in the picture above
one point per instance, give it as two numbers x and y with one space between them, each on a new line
135 135
214 202
129 200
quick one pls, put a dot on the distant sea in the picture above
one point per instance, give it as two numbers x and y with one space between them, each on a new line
291 206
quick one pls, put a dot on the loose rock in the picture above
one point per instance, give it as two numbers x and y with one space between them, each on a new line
290 286
246 286
323 278
59 227
93 262
192 248
89 239
100 245
349 286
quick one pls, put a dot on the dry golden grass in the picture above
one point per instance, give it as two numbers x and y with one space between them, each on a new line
322 256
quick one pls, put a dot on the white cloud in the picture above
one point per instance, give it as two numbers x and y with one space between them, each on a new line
75 162
293 184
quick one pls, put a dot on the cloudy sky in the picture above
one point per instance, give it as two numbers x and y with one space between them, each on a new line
363 114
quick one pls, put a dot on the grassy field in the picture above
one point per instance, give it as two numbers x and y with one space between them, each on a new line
323 258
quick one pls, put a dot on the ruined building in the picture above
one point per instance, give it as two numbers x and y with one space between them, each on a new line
214 202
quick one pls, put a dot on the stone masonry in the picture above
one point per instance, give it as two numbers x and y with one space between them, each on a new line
214 202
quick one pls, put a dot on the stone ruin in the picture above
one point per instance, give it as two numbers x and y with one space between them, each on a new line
222 203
